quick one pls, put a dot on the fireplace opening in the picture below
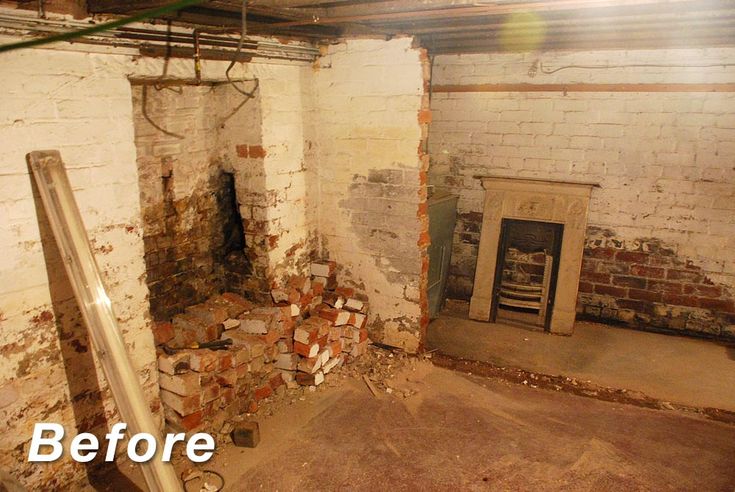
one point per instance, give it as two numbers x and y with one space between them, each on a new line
526 272
197 186
232 254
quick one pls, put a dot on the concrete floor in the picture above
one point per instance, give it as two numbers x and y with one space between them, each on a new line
680 370
463 432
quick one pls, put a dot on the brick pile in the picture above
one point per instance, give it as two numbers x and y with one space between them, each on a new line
312 327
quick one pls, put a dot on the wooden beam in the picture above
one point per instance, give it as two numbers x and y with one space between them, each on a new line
450 13
667 25
115 7
602 18
585 88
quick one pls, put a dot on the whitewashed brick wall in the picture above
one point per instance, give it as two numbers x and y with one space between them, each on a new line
367 95
665 161
78 100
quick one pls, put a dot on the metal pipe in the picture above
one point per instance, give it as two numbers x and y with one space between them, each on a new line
89 290
136 37
180 4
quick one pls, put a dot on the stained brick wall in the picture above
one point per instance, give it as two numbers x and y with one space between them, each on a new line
81 102
184 193
369 97
663 161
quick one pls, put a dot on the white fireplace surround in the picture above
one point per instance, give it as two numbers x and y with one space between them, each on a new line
559 202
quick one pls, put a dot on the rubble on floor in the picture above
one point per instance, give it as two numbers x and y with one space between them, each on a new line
311 329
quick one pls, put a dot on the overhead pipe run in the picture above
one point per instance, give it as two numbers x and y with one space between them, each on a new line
149 40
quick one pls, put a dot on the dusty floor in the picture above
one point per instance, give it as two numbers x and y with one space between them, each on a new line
465 432
675 369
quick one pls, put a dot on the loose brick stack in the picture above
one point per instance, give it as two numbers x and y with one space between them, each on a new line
334 329
314 327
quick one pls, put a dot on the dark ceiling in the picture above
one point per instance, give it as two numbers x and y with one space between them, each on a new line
460 26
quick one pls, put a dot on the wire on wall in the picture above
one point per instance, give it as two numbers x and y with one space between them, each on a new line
243 33
538 66
147 117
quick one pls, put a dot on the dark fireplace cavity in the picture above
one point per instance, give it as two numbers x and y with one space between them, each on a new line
527 267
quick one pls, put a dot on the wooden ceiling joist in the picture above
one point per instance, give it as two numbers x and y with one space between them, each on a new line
458 12
469 26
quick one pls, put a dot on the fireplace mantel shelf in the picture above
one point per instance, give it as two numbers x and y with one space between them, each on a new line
536 180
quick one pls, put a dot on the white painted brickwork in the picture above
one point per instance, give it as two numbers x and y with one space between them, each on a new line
368 94
81 104
665 161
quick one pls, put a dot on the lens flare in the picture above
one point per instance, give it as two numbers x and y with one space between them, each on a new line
522 31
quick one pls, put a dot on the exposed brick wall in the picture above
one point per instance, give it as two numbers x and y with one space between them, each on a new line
663 160
184 193
81 103
651 287
369 97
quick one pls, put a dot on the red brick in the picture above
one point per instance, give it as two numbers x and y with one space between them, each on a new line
227 378
256 151
242 150
306 300
163 332
224 360
335 348
424 116
176 363
588 265
613 267
644 295
722 305
237 299
210 392
305 350
659 260
294 296
424 239
271 337
203 360
631 256
585 287
601 253
187 422
639 306
626 281
610 291
228 396
209 314
665 287
305 379
181 384
708 290
680 300
688 275
648 272
317 288
306 333
345 291
597 278
262 393
183 405
276 381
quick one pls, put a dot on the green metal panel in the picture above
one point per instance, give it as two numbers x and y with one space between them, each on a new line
442 218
